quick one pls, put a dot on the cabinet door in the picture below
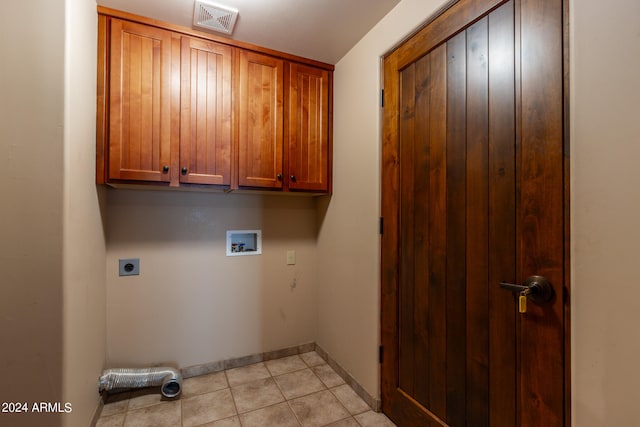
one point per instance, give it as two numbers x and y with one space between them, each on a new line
308 129
260 121
140 128
205 126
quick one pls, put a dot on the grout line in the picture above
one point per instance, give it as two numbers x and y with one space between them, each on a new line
279 388
288 402
343 404
342 419
289 372
233 399
226 379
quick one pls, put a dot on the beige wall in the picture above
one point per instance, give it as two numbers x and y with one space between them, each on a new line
191 304
31 177
84 317
348 240
52 316
605 211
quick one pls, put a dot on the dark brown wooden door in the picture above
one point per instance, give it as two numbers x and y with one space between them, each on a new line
261 121
206 124
141 130
307 128
472 195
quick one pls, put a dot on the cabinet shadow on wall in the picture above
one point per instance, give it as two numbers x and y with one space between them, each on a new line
138 216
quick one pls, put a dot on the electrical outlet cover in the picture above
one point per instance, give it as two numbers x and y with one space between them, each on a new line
130 267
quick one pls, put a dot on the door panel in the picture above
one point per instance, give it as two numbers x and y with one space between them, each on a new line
140 131
260 120
502 202
469 158
307 128
476 206
456 236
540 211
205 131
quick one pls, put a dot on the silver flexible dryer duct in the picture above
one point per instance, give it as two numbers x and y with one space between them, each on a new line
169 379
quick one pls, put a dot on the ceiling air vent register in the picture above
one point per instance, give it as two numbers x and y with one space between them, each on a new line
214 17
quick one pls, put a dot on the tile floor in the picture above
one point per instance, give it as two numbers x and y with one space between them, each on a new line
293 391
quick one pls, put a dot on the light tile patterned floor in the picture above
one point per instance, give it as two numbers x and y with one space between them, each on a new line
293 391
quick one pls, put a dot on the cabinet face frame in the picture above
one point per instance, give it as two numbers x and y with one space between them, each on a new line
102 101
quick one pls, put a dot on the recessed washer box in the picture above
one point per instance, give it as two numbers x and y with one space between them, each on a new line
244 242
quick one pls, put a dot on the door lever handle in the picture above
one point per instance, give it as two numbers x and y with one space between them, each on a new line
537 288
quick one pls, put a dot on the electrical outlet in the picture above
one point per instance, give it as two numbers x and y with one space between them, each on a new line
130 267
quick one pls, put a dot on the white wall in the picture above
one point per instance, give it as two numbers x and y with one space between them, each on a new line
84 317
605 130
191 304
348 240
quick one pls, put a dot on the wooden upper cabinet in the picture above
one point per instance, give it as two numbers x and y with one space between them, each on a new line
307 123
178 107
140 126
298 158
205 112
260 117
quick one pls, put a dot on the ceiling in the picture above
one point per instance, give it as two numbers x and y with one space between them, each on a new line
323 30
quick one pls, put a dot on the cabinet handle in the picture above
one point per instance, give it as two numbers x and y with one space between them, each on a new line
279 176
165 168
184 170
293 178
